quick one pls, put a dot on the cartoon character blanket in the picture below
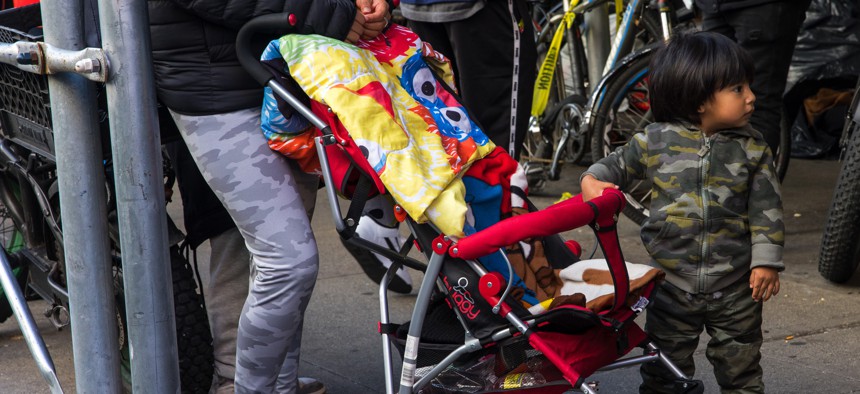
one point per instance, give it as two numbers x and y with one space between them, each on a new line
418 139
412 131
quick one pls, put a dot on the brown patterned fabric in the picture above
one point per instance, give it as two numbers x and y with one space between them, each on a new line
530 264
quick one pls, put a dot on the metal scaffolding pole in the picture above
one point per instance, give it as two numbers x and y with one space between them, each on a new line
141 212
84 209
597 43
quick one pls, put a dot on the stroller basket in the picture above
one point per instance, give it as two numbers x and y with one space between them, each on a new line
26 110
467 333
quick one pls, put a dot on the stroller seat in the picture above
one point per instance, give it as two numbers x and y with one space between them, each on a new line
484 338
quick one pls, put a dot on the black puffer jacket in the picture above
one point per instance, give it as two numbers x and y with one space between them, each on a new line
714 6
194 52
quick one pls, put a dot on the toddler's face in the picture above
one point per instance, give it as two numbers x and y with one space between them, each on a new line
730 107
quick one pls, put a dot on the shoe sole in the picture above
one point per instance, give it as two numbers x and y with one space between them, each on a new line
374 269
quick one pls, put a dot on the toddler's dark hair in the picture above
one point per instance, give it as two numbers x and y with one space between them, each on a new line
689 69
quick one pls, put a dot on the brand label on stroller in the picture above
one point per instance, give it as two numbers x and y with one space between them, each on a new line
462 297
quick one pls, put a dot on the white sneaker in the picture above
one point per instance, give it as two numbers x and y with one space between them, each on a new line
372 263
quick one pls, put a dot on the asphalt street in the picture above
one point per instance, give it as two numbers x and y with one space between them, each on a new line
812 328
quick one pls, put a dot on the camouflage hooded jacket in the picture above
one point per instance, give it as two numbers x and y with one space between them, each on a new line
716 210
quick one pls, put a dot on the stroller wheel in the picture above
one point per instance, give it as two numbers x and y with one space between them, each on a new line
689 386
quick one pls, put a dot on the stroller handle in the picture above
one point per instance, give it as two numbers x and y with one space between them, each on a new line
271 24
564 216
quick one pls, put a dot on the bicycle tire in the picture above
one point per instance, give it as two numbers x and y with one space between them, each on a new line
561 115
840 243
11 239
623 112
20 272
541 141
783 153
193 337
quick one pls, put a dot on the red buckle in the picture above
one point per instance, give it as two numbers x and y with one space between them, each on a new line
399 213
441 244
491 285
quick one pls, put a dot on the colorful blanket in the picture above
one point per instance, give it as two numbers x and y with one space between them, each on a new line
412 131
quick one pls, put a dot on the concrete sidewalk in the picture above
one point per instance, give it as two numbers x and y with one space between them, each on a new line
812 328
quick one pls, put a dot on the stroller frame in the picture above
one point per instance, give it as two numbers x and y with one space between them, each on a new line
494 288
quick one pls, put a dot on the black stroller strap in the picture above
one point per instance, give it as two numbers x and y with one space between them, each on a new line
594 224
387 329
356 207
522 194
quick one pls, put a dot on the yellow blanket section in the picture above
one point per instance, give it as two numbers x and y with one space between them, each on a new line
401 139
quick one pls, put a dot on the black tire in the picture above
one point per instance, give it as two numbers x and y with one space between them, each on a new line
783 152
840 242
193 338
625 111
11 239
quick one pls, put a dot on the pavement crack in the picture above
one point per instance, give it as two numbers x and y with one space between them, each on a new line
807 333
340 375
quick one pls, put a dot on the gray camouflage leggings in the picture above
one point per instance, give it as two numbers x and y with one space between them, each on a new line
267 198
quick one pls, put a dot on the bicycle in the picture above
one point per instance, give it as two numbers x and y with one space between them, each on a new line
840 243
556 135
31 233
620 108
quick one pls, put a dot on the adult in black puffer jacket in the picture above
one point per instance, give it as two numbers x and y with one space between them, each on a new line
767 30
194 51
216 106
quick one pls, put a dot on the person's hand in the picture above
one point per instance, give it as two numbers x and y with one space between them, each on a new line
376 15
357 29
591 187
765 283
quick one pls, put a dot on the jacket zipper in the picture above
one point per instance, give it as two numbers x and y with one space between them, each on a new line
704 154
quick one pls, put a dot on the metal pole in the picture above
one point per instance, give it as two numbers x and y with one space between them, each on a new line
84 211
28 326
597 43
139 182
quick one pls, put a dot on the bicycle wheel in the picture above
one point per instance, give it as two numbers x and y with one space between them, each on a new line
193 338
840 242
12 240
783 152
554 135
623 112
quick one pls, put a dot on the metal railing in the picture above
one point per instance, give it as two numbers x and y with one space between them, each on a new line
124 66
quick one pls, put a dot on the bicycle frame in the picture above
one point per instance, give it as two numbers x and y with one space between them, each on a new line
25 211
543 119
610 73
600 91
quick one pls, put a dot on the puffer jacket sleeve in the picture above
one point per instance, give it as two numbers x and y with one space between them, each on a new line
331 18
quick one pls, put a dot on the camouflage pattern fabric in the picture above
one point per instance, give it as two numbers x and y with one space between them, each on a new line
716 210
733 320
268 198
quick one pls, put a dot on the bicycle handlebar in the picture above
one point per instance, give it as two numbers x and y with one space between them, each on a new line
273 24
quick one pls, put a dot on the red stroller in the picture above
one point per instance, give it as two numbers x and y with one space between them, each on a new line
467 332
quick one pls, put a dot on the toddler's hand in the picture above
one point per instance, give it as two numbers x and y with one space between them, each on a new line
592 188
765 283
